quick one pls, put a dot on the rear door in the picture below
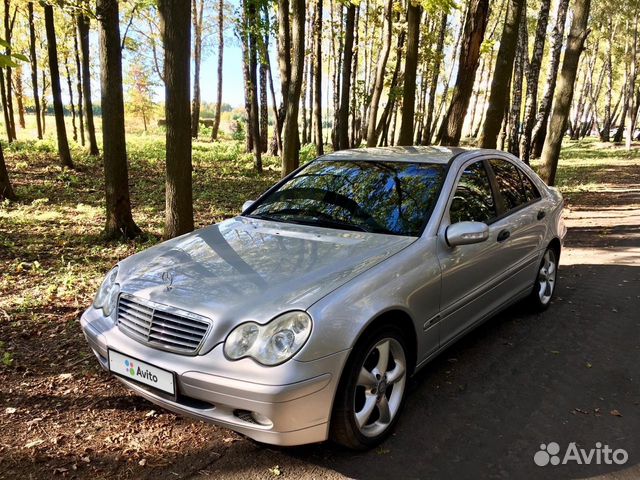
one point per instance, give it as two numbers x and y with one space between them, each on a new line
521 222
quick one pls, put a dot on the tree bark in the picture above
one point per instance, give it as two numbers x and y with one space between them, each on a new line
118 204
20 97
34 68
474 27
197 11
6 190
216 118
317 92
414 13
290 139
605 132
254 112
175 25
433 83
83 34
516 87
61 131
72 105
381 67
345 83
632 110
532 80
502 76
79 87
564 91
8 31
540 128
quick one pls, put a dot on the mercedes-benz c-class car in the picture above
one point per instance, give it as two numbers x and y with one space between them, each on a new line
301 319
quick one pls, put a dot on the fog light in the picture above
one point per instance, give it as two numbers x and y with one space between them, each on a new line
261 419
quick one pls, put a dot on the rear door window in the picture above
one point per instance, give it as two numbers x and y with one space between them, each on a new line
509 183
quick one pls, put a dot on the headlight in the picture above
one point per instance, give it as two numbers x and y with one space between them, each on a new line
269 344
107 296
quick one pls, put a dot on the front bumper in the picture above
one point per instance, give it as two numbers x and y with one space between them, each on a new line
298 407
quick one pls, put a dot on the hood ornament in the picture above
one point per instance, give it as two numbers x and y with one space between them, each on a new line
167 278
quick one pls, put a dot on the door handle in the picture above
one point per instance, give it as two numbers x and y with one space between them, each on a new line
503 235
541 214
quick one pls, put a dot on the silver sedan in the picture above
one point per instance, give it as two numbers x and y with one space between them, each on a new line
301 319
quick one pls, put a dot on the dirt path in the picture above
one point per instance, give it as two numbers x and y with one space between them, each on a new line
482 408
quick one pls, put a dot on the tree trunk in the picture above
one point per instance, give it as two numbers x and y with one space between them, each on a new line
381 67
540 128
516 87
337 68
61 131
254 112
20 96
34 68
197 12
502 76
43 101
216 118
290 139
345 84
317 91
175 25
383 124
474 27
8 30
564 92
605 132
83 33
414 13
6 190
262 47
433 83
72 105
79 87
632 108
119 219
532 80
5 109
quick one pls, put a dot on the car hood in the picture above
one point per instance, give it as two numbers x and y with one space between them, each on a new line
245 268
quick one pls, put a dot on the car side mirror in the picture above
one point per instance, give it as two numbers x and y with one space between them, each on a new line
466 233
247 204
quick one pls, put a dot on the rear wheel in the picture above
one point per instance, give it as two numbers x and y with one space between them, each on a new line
372 390
545 284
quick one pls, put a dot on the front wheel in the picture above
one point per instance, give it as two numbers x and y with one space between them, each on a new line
545 284
372 390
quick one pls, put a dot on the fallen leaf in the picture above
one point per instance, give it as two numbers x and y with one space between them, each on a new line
34 443
615 413
275 470
142 462
60 470
10 410
588 365
151 413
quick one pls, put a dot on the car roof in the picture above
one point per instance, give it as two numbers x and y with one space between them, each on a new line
431 154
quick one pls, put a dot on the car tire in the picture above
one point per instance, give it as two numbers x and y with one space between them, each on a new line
371 393
544 285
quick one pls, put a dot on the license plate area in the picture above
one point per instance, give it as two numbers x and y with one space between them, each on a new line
148 376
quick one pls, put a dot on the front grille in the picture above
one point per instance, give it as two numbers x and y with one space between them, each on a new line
161 326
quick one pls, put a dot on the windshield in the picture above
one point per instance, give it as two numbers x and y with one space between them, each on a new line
382 197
